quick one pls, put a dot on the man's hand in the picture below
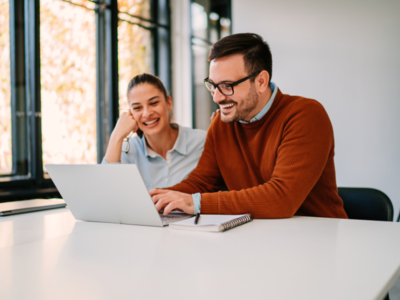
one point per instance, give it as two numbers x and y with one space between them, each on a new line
169 200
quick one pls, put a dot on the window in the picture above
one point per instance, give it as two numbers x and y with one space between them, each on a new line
5 91
64 69
68 82
134 44
210 21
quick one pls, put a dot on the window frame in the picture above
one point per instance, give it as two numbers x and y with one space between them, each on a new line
226 8
25 86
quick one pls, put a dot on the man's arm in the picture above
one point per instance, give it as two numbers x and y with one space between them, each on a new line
307 145
206 177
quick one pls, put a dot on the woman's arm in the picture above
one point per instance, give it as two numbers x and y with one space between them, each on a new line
125 125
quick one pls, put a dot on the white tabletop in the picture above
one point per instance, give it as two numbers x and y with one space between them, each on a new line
49 255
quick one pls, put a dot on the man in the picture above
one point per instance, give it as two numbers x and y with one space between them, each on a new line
273 151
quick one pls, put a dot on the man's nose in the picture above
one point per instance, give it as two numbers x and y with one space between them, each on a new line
218 96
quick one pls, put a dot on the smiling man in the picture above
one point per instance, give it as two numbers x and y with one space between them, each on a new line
274 152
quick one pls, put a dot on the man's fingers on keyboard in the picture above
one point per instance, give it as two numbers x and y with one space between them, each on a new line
156 197
158 191
171 206
162 203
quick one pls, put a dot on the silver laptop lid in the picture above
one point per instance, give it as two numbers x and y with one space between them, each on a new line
112 193
23 206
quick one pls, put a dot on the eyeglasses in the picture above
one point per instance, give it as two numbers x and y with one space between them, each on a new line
225 88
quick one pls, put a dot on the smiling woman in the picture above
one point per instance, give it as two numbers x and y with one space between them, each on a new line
165 153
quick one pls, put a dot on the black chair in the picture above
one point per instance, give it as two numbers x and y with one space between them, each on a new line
366 204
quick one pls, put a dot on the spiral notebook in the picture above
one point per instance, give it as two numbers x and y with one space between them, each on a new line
213 223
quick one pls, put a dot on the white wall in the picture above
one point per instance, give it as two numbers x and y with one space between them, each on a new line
345 54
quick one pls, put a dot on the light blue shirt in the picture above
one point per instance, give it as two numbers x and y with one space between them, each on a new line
197 197
158 172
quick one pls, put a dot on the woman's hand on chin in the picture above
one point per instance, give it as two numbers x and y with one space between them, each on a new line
169 200
125 125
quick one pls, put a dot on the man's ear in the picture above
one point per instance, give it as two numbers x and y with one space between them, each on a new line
262 81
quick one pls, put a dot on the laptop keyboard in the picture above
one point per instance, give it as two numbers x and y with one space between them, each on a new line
172 216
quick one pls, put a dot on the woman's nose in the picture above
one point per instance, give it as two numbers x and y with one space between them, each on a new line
147 111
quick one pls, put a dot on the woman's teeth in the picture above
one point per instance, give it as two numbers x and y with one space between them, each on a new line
151 122
226 105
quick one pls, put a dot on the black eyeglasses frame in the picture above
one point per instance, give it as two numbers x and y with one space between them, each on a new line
216 85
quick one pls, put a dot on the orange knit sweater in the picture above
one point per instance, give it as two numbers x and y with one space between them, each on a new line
276 167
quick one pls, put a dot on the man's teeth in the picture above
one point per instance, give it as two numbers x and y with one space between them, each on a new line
226 105
151 122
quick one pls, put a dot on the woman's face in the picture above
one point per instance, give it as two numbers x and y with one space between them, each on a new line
149 108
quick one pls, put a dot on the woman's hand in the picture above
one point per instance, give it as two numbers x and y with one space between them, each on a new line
125 125
214 114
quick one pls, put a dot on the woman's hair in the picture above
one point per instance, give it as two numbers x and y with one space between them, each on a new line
150 79
147 78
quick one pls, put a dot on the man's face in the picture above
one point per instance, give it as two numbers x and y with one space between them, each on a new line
242 104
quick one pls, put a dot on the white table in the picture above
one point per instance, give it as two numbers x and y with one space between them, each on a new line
49 255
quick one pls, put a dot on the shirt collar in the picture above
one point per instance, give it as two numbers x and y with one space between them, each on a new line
265 108
179 146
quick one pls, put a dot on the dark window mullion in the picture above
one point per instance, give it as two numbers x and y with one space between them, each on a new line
164 43
111 20
32 38
18 109
154 38
107 103
101 118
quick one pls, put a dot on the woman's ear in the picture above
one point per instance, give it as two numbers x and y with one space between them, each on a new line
169 103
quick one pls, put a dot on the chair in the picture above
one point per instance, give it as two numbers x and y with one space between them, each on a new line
366 204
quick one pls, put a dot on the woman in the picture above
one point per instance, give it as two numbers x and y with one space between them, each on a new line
165 153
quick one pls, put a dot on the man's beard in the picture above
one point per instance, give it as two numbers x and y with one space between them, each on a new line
241 112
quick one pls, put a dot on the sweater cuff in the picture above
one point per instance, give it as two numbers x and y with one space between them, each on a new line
209 203
196 203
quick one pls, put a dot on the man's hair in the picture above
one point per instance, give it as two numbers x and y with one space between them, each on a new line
256 53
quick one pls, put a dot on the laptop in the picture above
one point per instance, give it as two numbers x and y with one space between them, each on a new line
25 206
114 193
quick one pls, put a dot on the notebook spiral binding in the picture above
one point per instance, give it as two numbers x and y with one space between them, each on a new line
237 222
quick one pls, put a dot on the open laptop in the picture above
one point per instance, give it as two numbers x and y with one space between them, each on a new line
112 193
25 206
